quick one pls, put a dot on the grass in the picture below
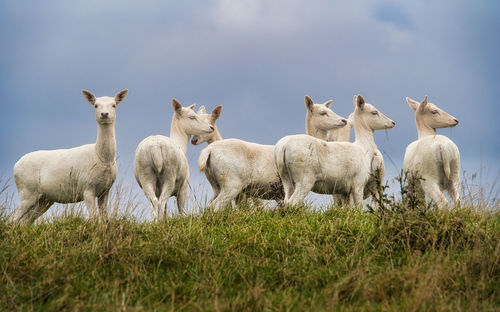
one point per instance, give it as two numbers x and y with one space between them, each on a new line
256 259
402 256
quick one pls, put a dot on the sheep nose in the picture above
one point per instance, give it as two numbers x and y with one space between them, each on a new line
393 123
212 128
344 121
456 121
104 115
194 141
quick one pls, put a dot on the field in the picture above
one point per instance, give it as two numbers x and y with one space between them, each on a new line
403 256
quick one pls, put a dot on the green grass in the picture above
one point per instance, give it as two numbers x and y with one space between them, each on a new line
257 259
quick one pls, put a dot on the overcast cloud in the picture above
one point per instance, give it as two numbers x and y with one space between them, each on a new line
256 58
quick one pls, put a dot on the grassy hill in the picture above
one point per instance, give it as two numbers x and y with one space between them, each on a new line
257 259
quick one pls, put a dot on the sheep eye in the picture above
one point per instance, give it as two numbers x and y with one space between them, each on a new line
435 112
114 105
323 113
95 105
375 113
192 117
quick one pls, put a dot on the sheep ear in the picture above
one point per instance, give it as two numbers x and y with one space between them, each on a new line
216 113
120 96
309 103
192 106
328 103
176 106
201 110
89 97
412 103
424 102
359 102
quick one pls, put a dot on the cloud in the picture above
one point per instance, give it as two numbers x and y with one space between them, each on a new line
242 14
393 14
257 58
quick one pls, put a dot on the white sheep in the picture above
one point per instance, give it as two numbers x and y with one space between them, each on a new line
305 163
235 167
71 175
211 119
433 158
377 169
160 164
342 134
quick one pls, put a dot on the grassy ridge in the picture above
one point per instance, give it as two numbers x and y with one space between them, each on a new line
256 259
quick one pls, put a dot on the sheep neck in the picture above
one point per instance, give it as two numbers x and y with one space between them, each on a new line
423 129
105 146
364 135
215 137
178 135
314 131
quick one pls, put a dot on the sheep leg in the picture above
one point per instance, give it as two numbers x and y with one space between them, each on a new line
433 191
25 210
288 187
102 203
39 210
225 197
301 190
165 190
357 196
89 198
215 187
454 183
181 198
149 188
454 190
339 199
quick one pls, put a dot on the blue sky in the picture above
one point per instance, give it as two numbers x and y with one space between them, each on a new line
257 58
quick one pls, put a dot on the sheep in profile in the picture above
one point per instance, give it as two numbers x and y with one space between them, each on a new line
160 164
433 159
71 175
235 167
342 134
305 163
377 171
211 119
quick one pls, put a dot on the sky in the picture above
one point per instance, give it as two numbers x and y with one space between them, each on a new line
258 59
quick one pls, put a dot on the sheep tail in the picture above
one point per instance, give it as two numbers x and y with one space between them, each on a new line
280 159
445 159
204 159
157 158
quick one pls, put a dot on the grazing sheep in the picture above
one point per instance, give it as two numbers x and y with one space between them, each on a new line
433 158
235 167
160 164
305 163
211 119
71 175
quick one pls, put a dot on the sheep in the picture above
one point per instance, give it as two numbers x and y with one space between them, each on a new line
160 165
378 168
434 159
305 163
71 175
342 134
211 119
235 167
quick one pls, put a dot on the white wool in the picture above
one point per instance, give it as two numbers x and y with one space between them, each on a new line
160 164
433 158
235 167
305 163
71 175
